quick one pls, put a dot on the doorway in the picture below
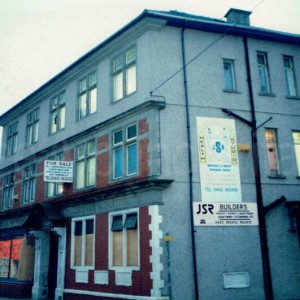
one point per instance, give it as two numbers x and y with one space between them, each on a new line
53 258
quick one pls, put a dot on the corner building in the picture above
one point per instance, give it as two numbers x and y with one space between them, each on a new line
173 117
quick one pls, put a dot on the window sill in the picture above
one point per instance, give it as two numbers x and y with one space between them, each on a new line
82 118
10 155
124 269
277 176
83 269
293 97
115 101
57 131
266 94
231 91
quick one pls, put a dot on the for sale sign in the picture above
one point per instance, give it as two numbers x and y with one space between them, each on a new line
58 171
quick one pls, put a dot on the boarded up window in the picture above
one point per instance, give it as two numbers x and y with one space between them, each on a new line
125 240
17 259
83 240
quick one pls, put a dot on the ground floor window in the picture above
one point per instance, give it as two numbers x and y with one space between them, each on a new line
17 259
83 242
124 240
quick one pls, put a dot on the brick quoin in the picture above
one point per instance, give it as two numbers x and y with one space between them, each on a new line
102 179
102 142
141 280
68 187
70 273
18 176
143 126
40 189
17 191
69 155
101 247
40 167
144 169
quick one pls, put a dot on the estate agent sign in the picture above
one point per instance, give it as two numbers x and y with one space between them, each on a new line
58 171
218 160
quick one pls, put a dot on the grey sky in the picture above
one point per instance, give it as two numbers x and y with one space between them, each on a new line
40 38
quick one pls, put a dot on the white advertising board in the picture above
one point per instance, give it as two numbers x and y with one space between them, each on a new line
218 160
58 171
225 214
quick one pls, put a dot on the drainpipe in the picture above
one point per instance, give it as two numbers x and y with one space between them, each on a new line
259 198
187 110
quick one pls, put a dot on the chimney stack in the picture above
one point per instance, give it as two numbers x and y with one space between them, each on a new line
238 16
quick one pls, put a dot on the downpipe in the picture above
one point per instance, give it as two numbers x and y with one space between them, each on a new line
189 164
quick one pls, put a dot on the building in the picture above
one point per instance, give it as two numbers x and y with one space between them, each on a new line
163 164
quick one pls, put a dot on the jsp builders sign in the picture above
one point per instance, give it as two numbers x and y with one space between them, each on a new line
225 214
58 171
218 160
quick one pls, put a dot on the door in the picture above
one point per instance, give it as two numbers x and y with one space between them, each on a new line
52 273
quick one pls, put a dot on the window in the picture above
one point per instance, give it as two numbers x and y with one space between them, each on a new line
29 184
124 240
229 78
83 242
124 74
263 71
17 258
11 145
8 191
32 127
289 73
125 152
52 188
87 98
296 136
271 143
86 164
57 113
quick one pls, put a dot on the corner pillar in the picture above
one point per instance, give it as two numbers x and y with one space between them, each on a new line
40 286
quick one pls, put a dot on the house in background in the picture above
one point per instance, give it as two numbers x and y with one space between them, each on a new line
163 164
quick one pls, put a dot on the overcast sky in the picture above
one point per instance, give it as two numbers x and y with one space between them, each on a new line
40 38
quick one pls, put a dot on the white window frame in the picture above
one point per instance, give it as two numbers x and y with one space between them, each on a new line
296 138
231 72
52 185
12 139
86 86
121 65
8 191
290 76
32 130
57 113
264 74
29 184
272 146
85 158
123 268
124 146
72 256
